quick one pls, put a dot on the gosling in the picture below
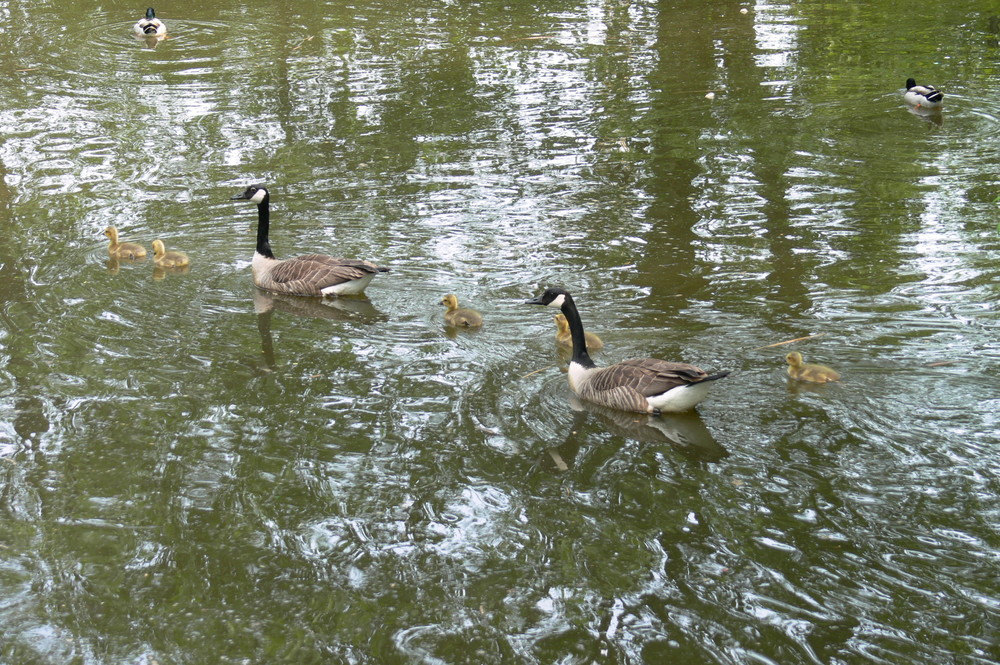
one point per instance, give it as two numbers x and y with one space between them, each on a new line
565 338
165 259
460 317
123 250
806 372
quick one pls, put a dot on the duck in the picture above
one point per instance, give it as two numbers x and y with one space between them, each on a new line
460 317
306 275
922 96
165 259
150 26
123 250
639 385
801 371
564 337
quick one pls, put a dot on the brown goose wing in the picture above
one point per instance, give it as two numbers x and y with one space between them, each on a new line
646 376
311 273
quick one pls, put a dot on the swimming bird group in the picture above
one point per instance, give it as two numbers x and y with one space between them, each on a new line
641 385
133 251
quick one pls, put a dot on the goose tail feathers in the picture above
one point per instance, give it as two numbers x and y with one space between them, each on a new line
713 377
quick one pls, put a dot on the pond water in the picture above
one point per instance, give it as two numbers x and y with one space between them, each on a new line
196 472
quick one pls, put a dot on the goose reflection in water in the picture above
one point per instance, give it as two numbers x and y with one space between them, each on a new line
341 309
684 432
933 116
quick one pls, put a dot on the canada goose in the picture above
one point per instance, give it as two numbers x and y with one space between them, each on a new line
165 259
149 26
123 250
306 275
564 337
642 385
922 96
460 317
806 372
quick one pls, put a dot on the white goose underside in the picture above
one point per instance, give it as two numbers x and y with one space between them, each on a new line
351 288
681 398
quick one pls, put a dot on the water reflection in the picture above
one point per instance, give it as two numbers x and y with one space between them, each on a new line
798 387
150 41
685 433
114 264
161 272
477 158
343 308
932 116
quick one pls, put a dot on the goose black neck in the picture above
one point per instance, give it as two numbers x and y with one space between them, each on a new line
580 355
263 226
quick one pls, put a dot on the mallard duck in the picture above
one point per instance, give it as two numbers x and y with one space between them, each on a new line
165 259
806 372
306 275
460 317
123 250
642 385
564 337
922 96
150 26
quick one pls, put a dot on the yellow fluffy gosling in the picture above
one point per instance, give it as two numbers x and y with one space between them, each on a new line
166 259
123 250
806 372
565 338
460 317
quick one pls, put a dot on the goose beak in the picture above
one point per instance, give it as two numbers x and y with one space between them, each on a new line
534 301
239 197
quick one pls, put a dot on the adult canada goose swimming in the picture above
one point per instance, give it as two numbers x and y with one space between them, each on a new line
460 317
922 96
806 372
165 259
643 385
564 337
123 250
149 26
306 275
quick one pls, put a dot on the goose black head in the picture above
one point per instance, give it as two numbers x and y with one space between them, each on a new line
255 193
553 297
